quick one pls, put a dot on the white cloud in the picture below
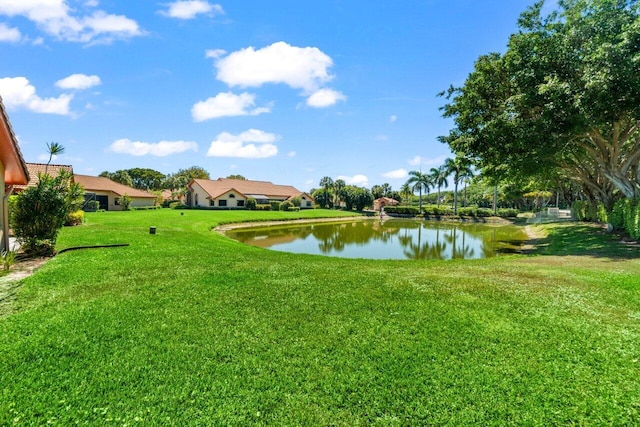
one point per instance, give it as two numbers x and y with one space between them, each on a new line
158 149
214 53
396 174
226 104
7 34
189 9
78 81
393 119
300 68
358 180
252 144
55 18
291 154
325 98
421 161
17 93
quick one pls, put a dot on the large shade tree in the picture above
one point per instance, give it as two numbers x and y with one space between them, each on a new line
565 94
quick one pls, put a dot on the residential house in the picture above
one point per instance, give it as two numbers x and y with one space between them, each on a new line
13 171
234 193
109 193
36 169
381 202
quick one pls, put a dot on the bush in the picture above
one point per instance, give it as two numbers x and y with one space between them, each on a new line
125 202
286 205
275 205
251 204
437 211
42 210
92 206
626 215
508 213
75 218
263 208
402 210
589 211
178 205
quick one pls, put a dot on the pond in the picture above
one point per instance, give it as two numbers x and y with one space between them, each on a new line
388 239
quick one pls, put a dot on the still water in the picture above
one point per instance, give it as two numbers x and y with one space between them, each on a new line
388 239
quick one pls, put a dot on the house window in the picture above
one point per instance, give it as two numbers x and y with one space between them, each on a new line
212 202
116 201
232 196
222 203
240 203
197 204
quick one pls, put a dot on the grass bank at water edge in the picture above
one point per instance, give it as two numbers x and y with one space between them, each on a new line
188 327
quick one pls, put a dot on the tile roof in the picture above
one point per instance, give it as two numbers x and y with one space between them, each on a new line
15 172
247 187
99 183
39 168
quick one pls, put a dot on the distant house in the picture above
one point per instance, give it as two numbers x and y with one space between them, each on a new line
234 193
36 169
13 171
384 201
109 193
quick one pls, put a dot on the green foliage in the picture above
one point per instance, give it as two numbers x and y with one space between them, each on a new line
508 213
286 205
324 198
178 205
41 211
125 202
476 212
262 207
297 201
357 198
8 260
149 208
75 218
437 210
251 204
584 210
626 216
275 205
402 210
92 206
11 203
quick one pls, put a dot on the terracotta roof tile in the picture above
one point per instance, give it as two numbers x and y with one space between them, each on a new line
216 188
15 172
99 183
39 168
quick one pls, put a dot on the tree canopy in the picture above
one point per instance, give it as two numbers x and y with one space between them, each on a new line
565 94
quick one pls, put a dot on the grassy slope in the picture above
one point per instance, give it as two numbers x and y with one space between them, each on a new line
187 327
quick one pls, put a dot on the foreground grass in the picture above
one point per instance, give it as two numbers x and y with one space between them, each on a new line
187 327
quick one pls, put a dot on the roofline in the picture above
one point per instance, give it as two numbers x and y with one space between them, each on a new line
14 142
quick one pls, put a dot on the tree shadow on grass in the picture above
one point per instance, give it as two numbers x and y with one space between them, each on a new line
579 239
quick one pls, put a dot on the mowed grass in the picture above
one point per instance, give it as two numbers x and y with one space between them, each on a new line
188 327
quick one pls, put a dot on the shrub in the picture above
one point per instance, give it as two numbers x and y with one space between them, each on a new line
92 206
437 211
125 202
286 205
508 213
402 210
75 218
275 205
297 201
263 208
251 204
41 211
589 211
626 215
178 205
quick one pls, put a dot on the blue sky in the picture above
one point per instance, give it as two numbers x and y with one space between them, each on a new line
283 91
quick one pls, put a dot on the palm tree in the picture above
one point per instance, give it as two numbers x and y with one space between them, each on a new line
54 149
420 181
326 183
338 188
439 179
406 192
460 168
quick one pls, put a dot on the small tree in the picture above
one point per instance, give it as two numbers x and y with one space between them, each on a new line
42 210
125 202
251 204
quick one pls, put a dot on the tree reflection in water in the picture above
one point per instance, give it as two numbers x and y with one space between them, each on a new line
389 239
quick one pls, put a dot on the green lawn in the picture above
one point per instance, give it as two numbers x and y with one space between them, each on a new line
187 327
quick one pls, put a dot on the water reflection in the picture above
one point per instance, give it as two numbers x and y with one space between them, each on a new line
390 239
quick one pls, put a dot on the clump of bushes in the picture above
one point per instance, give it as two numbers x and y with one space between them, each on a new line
75 218
178 205
40 212
508 213
437 211
588 211
402 210
251 204
262 207
625 215
275 205
475 212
